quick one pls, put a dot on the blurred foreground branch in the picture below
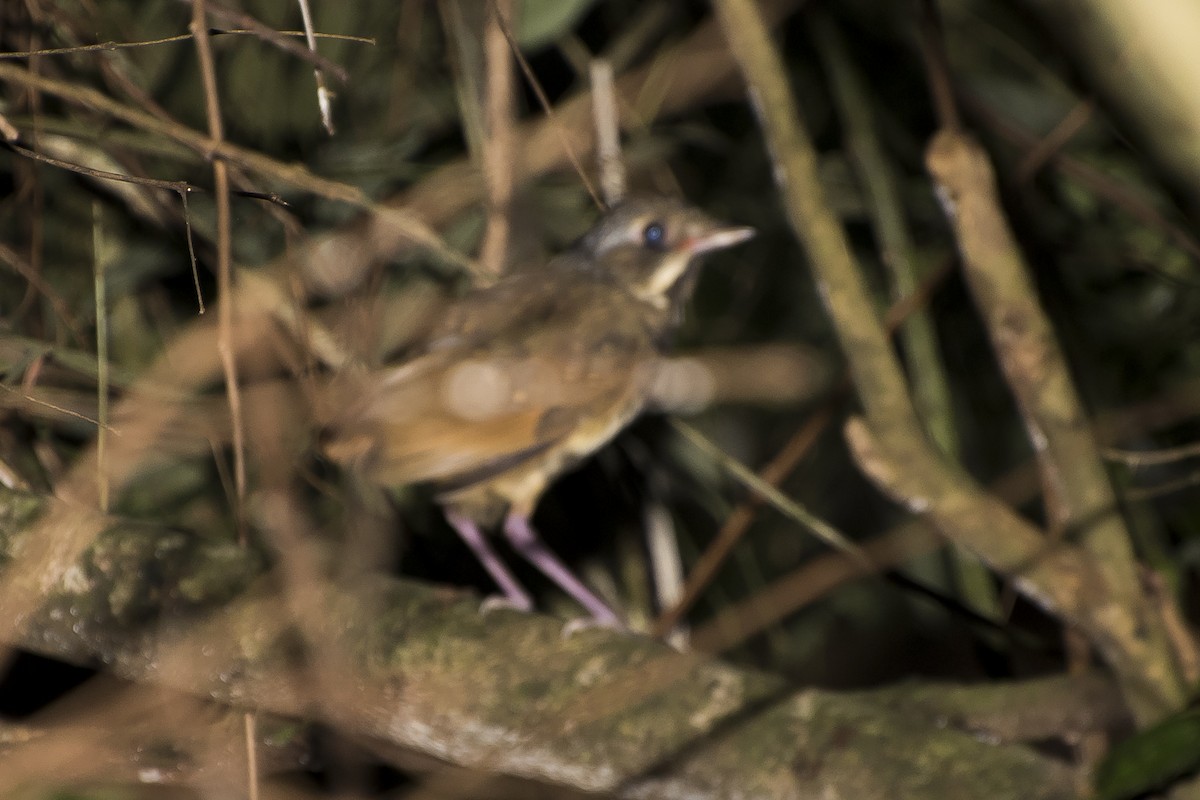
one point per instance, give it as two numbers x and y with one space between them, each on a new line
1145 61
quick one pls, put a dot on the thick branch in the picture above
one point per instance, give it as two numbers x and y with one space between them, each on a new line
890 445
505 692
1078 493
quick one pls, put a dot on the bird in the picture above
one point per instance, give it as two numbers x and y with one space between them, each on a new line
519 381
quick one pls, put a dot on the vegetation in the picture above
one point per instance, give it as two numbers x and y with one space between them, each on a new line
961 341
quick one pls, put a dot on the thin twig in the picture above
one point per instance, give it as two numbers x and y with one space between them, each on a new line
225 334
105 47
548 109
250 735
937 66
241 19
1100 183
777 499
294 174
58 409
56 301
98 263
182 188
738 522
187 228
498 141
779 468
323 96
8 130
1152 458
1142 494
1053 142
91 172
781 598
608 132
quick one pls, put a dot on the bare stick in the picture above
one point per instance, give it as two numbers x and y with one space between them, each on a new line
98 259
323 95
216 131
608 133
499 138
559 129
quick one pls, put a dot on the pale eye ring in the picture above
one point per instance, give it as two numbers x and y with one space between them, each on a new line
654 236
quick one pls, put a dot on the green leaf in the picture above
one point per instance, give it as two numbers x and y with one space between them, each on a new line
1151 759
540 22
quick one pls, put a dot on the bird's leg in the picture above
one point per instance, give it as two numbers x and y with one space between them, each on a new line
525 541
514 594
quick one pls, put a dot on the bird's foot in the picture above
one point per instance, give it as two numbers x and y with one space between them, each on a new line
503 602
580 624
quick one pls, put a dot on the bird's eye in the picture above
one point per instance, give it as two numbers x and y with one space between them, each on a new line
654 236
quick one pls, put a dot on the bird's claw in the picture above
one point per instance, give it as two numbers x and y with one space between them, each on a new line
502 602
580 624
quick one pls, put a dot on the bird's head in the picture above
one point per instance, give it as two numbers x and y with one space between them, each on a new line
649 245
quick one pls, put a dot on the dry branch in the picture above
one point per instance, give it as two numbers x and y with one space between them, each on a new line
890 444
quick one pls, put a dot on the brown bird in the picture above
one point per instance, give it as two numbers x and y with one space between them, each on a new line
521 380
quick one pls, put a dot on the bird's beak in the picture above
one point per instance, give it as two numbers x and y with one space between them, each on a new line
717 238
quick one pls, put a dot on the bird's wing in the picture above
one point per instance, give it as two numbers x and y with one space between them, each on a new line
483 316
471 407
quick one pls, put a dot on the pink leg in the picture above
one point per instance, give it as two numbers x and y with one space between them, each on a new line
525 541
470 533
